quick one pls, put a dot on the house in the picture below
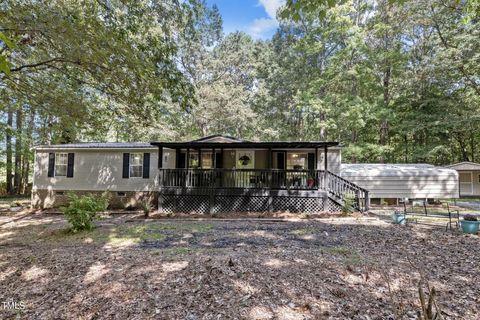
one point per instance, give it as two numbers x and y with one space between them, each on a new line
390 183
226 174
211 174
469 178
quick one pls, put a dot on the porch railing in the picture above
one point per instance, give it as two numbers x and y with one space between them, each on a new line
241 178
342 190
339 189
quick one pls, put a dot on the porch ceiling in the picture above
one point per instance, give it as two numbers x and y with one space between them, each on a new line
247 144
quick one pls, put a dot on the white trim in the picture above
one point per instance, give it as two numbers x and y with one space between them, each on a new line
57 156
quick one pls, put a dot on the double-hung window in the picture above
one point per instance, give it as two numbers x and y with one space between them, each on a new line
61 164
136 165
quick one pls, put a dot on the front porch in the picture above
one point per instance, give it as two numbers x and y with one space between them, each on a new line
223 174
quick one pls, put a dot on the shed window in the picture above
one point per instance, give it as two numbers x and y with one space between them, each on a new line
61 163
136 165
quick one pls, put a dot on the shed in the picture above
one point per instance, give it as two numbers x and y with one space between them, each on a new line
399 181
469 178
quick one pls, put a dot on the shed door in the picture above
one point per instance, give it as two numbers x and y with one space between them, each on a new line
466 182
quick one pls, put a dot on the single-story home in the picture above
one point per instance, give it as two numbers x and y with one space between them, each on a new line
469 178
212 174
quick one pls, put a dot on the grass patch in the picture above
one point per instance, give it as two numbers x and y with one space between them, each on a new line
111 235
177 251
14 201
185 227
348 256
299 232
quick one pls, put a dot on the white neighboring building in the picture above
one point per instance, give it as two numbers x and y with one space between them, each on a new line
469 178
398 181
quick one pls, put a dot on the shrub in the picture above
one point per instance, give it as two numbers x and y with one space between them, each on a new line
146 207
81 211
347 207
470 217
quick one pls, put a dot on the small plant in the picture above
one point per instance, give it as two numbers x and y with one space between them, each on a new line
347 207
146 207
470 217
81 211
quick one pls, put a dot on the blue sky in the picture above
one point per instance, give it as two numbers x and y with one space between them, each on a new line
255 17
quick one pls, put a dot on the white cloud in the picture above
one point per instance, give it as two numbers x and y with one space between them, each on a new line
262 25
271 6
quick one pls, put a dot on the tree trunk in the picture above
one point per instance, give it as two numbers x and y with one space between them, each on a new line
9 175
17 181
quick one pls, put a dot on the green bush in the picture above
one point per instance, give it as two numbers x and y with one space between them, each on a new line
347 207
81 211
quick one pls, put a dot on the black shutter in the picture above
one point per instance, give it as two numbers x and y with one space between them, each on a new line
71 161
146 165
51 164
126 165
311 161
218 160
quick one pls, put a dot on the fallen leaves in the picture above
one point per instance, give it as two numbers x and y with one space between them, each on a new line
309 269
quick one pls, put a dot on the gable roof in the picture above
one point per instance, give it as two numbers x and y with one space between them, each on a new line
464 165
218 138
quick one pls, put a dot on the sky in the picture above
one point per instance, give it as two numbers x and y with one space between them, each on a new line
255 17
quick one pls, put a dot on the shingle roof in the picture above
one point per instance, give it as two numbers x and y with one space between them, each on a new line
97 145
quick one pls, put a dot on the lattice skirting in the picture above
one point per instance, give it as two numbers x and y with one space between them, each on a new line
202 204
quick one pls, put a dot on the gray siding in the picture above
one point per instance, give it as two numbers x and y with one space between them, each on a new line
95 170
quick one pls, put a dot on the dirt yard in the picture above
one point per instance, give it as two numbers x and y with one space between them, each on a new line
129 268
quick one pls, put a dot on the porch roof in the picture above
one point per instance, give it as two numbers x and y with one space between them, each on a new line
248 144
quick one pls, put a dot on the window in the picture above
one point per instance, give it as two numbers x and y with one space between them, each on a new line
207 162
193 161
136 165
297 161
61 163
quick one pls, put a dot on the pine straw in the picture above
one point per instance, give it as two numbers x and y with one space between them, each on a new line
308 269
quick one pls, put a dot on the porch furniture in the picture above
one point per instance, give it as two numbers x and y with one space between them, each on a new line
453 216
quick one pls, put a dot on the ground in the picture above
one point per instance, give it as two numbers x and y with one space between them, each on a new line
131 268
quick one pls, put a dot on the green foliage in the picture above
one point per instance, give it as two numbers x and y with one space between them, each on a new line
81 211
347 207
393 81
146 207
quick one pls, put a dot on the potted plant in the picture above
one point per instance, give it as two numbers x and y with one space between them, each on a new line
399 217
310 182
470 224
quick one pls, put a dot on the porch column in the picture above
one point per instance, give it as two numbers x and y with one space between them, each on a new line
160 157
221 171
214 159
160 165
269 167
325 167
200 158
187 178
